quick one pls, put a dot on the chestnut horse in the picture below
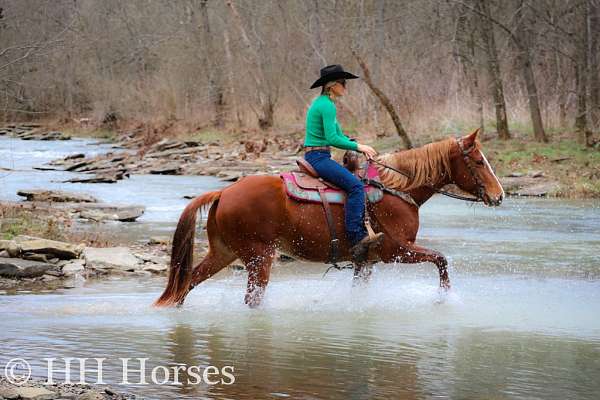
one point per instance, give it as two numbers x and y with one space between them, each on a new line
254 217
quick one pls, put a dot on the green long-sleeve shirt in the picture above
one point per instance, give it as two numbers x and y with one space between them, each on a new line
322 128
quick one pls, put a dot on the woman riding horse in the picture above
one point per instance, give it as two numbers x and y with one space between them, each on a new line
323 131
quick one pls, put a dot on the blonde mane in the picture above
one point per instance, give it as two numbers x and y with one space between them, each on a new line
427 165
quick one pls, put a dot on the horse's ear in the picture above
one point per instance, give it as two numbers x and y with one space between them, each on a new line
469 140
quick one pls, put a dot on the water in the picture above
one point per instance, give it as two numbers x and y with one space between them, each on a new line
161 194
521 320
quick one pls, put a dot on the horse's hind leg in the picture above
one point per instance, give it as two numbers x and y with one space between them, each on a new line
362 274
219 256
258 263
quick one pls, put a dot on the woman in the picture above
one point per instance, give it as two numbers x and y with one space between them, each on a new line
323 131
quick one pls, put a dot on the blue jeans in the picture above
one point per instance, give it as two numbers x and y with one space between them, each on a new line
354 209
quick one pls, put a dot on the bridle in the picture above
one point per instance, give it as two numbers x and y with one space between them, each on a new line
468 162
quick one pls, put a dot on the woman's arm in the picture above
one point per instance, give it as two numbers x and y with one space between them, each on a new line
333 135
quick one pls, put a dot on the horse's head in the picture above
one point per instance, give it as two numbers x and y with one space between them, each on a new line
472 172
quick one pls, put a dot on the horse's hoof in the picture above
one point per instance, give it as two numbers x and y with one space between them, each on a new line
252 301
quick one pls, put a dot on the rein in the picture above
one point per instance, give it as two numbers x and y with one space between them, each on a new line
465 154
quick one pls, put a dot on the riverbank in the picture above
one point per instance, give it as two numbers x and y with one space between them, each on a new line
562 168
41 249
38 390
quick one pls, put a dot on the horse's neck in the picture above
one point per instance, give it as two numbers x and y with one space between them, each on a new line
423 193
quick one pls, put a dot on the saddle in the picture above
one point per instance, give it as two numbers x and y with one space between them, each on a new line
305 185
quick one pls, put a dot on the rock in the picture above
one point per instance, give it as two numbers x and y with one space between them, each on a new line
64 251
35 393
513 183
156 268
4 254
55 136
36 257
9 244
169 153
515 175
230 176
74 156
8 393
17 268
111 212
150 258
91 396
78 165
166 170
159 240
536 174
56 196
529 186
73 267
117 258
541 189
166 144
56 271
94 179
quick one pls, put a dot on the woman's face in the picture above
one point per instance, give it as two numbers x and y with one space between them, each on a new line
339 89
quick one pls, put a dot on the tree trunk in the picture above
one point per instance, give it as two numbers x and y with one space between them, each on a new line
487 33
523 44
593 26
265 101
384 100
561 92
316 39
465 54
231 84
215 76
581 70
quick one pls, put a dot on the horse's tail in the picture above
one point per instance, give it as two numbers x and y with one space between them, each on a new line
180 270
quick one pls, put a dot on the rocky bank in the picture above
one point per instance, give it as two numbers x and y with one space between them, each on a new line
37 390
30 263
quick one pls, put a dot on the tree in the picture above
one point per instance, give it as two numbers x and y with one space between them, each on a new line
493 66
524 43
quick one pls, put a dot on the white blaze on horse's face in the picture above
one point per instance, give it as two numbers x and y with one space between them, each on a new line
493 191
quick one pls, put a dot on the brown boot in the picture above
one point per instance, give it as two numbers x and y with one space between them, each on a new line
360 251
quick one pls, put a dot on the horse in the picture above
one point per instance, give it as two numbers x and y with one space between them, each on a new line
254 217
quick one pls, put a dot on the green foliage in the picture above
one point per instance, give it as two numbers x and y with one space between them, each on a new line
28 223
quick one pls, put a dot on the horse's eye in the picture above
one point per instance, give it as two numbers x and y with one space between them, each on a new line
479 162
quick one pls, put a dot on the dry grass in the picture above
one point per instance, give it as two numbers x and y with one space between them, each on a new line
46 223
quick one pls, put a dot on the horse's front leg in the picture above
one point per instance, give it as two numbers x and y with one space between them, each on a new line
413 254
362 273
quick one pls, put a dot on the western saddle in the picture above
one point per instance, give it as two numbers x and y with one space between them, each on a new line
306 185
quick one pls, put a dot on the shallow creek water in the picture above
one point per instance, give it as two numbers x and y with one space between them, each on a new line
521 320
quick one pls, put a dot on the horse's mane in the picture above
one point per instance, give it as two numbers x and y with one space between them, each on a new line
427 164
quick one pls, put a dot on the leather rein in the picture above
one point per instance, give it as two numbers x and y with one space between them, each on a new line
466 158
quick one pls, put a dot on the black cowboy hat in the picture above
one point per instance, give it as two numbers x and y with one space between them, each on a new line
332 73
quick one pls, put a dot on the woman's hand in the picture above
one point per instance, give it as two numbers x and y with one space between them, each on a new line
367 150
